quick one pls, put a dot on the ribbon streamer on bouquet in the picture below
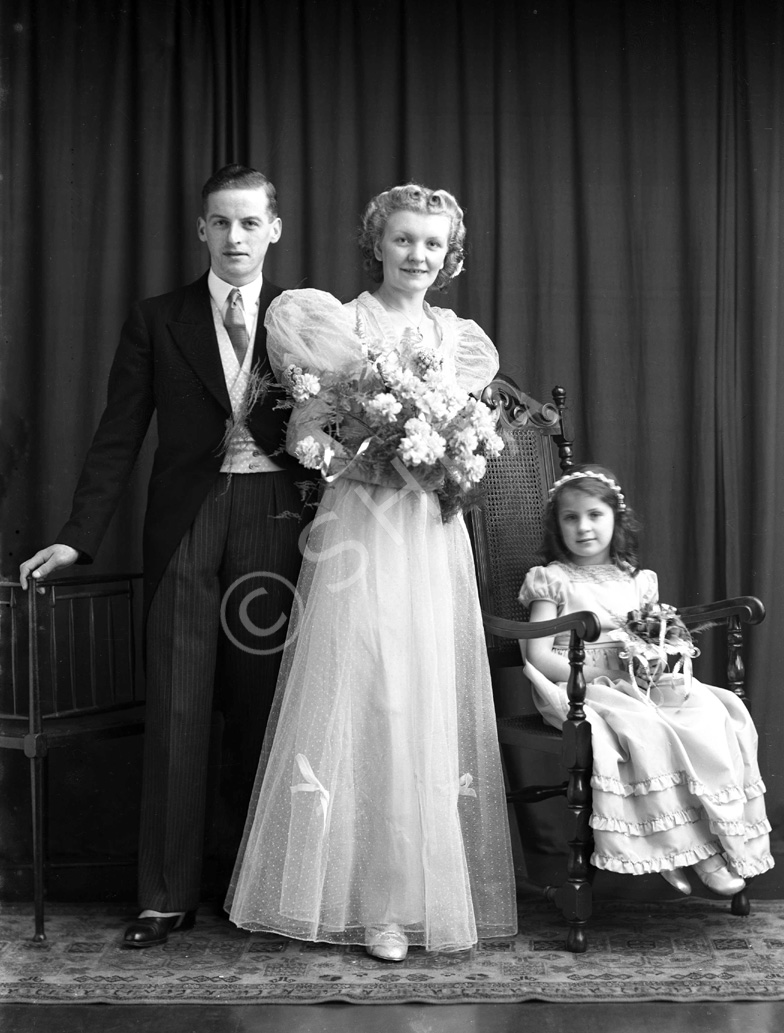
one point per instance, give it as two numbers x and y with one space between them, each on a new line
685 660
651 676
329 455
311 784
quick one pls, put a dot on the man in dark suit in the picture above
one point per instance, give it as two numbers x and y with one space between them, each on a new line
221 533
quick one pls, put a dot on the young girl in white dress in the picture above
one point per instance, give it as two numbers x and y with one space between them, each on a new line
675 781
379 814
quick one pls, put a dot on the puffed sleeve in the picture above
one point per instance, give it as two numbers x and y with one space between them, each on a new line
312 330
544 583
648 587
476 358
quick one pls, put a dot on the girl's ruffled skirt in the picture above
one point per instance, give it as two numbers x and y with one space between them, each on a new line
675 775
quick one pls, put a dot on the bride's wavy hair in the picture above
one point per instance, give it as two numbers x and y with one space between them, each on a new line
626 534
412 197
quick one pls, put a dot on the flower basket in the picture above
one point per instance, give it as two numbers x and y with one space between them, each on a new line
655 642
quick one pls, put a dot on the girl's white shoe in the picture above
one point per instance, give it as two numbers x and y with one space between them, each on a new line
677 878
388 942
715 874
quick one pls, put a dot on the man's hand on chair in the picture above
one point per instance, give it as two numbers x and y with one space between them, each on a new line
46 562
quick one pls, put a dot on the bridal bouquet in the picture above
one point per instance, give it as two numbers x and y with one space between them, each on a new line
651 637
401 422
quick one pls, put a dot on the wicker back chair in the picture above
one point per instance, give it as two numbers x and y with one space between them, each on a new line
506 530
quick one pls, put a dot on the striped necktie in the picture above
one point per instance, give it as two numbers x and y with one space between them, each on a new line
236 326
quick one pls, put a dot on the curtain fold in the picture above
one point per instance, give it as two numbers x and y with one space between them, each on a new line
620 163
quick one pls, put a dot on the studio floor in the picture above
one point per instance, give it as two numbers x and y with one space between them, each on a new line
541 1017
403 1018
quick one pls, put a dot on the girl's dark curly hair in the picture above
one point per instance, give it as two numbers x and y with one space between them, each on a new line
412 198
626 535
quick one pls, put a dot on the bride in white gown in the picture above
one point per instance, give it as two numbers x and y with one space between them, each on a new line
379 813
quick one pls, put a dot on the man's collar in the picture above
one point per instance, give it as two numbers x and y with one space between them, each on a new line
220 290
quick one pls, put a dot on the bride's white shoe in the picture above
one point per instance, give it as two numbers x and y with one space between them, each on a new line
388 942
715 874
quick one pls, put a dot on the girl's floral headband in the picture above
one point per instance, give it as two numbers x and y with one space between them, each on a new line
596 476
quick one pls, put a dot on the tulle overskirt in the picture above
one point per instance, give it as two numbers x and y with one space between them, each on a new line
380 795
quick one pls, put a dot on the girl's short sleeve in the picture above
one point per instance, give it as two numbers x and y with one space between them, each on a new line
544 584
648 583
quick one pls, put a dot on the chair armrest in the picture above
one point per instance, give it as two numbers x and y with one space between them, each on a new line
74 579
584 627
747 608
584 622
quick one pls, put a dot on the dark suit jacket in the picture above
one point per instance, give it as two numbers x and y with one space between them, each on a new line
168 362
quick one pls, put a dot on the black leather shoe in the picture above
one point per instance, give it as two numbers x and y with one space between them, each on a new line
149 932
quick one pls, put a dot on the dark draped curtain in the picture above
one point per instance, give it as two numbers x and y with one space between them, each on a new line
620 164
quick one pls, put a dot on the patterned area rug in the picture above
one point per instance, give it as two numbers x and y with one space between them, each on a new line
690 950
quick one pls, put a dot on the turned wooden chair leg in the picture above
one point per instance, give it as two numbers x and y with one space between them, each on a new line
740 902
575 897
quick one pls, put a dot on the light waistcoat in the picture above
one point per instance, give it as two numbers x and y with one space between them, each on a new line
244 455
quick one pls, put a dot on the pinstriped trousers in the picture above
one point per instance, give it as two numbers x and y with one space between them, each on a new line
218 620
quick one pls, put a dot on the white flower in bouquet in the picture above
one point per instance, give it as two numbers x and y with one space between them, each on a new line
395 409
426 360
403 383
310 453
483 422
438 404
384 407
421 443
302 386
465 440
469 471
387 364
